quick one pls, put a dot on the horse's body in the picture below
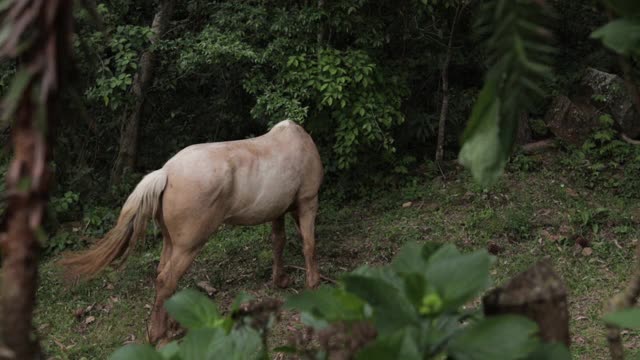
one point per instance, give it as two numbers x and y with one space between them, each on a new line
245 182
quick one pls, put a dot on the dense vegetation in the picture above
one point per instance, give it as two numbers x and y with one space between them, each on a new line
383 87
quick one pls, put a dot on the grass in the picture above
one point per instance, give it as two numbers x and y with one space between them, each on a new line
526 217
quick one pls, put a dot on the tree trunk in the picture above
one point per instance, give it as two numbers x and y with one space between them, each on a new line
444 110
29 174
539 294
127 152
322 26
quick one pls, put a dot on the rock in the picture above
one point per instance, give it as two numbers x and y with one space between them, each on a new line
571 122
609 90
407 204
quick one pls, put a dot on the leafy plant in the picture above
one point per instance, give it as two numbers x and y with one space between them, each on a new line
211 335
520 59
413 308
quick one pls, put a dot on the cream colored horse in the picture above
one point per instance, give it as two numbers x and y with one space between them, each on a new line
245 182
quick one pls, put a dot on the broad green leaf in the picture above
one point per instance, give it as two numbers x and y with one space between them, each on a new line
136 352
384 273
553 351
331 304
415 288
442 253
627 318
242 344
621 36
391 311
482 151
501 337
399 345
193 310
170 351
409 259
459 278
198 344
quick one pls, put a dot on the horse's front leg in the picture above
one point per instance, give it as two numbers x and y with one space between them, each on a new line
278 240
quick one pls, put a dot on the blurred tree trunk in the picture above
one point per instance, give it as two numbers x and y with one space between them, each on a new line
33 107
444 109
127 152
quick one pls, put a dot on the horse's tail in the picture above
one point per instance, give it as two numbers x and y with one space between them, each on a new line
141 205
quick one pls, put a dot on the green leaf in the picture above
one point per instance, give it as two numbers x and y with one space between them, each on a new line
198 343
501 337
409 259
391 311
627 318
331 304
399 345
136 352
170 351
193 310
459 278
242 344
482 151
621 36
553 351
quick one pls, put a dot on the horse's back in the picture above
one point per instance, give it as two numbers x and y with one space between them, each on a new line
252 180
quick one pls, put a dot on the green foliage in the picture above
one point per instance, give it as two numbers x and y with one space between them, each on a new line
621 35
627 318
210 335
358 101
605 161
520 58
415 306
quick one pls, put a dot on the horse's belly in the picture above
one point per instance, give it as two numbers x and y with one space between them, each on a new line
264 206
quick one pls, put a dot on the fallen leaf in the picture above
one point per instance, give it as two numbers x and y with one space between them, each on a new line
114 299
109 286
89 319
204 285
587 251
571 192
407 204
147 306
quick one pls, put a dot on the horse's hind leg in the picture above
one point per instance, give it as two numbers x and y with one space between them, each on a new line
278 240
166 283
306 211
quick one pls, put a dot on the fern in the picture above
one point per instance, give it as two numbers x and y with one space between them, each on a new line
520 60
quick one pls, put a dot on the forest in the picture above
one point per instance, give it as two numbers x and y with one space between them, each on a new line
479 194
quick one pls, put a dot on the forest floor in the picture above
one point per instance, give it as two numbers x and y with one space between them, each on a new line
527 216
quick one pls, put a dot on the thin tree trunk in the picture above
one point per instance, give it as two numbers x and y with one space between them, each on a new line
322 26
29 175
445 91
127 152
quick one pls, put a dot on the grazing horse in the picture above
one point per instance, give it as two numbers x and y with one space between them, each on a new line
245 182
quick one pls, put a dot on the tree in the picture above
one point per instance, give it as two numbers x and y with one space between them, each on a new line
127 152
31 101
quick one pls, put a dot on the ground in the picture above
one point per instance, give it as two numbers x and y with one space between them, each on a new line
588 234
